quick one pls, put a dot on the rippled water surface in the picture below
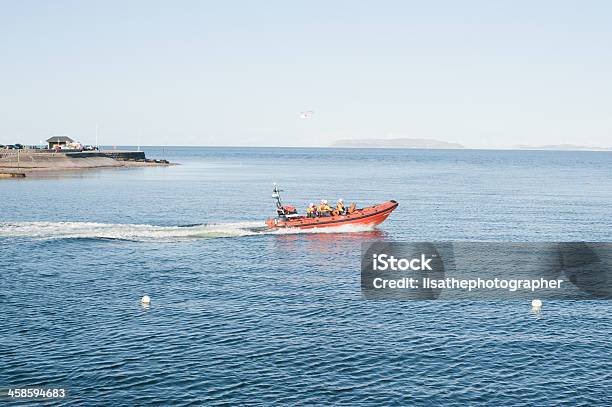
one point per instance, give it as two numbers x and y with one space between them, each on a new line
242 316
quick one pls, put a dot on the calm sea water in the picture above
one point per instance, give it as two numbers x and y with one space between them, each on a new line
243 317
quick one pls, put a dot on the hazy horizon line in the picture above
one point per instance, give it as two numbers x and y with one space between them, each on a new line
531 148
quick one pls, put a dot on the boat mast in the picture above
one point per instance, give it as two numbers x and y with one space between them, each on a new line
276 195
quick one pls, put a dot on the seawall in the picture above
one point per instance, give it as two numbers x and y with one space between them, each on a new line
41 163
114 154
81 159
30 159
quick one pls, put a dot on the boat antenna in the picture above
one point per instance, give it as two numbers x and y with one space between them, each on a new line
276 195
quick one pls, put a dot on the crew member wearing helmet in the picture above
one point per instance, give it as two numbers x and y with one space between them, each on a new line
311 211
340 209
324 208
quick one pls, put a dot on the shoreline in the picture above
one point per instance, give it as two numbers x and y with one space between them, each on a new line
43 172
37 166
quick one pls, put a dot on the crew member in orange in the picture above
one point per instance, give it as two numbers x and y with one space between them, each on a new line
311 211
340 209
324 208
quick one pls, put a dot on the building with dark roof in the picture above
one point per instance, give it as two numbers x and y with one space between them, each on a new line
58 141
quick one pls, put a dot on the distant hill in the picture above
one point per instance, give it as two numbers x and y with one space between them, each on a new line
396 143
567 147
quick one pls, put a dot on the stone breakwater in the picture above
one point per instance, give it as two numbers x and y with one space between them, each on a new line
31 161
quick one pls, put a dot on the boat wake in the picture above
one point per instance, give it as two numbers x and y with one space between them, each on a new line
92 230
351 228
143 232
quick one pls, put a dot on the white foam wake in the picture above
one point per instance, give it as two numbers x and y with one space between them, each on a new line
334 229
143 232
72 230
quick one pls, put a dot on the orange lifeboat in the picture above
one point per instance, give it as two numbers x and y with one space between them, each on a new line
368 216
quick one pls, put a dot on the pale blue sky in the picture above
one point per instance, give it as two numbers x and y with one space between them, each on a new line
482 73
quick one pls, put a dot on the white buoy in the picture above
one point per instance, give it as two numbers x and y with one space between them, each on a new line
536 304
146 300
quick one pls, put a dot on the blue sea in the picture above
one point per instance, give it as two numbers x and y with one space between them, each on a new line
244 317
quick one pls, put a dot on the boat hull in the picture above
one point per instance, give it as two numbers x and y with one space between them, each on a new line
370 216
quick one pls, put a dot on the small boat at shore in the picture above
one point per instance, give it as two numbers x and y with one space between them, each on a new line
287 216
